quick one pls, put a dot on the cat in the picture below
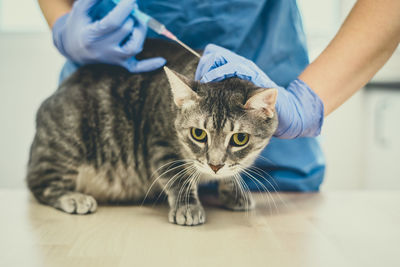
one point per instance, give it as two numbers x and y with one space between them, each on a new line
110 136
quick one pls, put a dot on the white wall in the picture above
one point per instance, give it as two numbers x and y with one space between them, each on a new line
351 154
29 68
342 128
21 16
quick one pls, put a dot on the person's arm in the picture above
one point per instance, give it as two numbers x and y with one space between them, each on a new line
364 43
54 9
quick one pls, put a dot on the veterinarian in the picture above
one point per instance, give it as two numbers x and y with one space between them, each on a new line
268 36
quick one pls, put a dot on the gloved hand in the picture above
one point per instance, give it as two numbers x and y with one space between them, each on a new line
300 111
83 41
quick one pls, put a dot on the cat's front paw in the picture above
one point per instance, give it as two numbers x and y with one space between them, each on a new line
76 203
237 202
190 215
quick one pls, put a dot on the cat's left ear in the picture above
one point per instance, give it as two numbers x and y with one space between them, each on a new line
263 100
181 91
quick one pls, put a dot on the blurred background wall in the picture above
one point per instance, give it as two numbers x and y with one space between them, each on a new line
361 139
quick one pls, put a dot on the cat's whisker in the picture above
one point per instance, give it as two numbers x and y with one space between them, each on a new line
176 177
265 189
256 179
247 194
236 183
189 187
236 186
263 186
172 180
164 189
255 168
244 193
192 179
169 163
267 160
174 168
196 179
261 190
162 174
240 184
265 179
181 191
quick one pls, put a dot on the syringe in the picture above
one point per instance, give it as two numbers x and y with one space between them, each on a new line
158 27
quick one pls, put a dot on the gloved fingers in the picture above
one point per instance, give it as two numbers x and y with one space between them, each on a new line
213 48
116 37
115 18
262 80
300 111
215 56
229 56
82 6
150 64
57 30
109 42
209 62
226 53
288 115
282 99
227 71
215 67
135 43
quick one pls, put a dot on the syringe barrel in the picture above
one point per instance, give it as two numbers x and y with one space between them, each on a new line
156 26
146 19
143 17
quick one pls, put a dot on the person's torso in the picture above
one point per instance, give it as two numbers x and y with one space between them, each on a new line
269 32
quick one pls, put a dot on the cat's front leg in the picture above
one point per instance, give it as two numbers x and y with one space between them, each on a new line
185 206
233 197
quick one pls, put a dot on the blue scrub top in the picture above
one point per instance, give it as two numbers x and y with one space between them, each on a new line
270 33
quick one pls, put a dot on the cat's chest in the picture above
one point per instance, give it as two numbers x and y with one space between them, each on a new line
118 183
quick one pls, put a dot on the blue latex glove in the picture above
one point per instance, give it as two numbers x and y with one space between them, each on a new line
115 39
300 111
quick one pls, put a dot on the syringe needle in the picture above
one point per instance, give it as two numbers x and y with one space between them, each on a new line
160 29
187 47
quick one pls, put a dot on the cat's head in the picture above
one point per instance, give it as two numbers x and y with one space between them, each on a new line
222 126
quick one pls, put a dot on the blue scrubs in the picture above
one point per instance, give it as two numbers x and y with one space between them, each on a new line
270 33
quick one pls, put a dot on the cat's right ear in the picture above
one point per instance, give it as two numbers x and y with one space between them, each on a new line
263 101
181 91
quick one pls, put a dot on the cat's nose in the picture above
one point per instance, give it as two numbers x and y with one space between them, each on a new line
215 168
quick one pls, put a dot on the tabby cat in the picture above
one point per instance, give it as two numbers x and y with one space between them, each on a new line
110 136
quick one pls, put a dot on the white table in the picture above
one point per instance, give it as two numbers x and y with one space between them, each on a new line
325 229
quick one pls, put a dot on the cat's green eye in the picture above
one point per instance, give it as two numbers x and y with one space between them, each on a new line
199 135
239 139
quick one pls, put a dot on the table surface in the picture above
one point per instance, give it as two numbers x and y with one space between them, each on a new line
355 228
